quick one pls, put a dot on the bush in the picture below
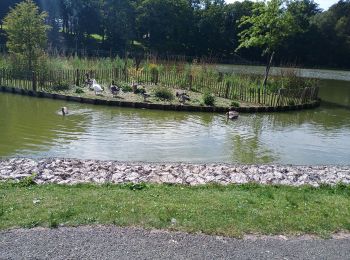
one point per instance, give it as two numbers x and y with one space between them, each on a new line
60 86
208 99
235 104
27 181
163 93
79 91
125 87
291 103
154 70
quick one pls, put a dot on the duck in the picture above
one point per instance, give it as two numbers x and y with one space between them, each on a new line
145 96
232 114
64 111
114 89
96 87
183 97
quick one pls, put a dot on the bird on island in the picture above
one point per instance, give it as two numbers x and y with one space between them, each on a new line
64 111
183 97
96 87
232 114
114 89
145 96
88 81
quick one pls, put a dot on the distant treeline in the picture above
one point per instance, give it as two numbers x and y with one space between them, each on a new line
194 28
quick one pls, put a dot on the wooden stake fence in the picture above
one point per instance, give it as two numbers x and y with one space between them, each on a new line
44 81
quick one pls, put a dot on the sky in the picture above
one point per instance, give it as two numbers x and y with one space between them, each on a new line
324 4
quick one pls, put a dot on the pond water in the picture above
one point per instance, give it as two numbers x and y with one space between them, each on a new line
32 127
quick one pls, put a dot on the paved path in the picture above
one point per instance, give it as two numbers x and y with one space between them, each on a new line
130 243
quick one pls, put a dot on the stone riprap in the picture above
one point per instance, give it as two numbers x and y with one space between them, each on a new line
72 171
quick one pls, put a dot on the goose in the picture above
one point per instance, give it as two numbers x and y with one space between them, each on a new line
183 97
64 111
96 87
88 81
114 89
232 115
145 96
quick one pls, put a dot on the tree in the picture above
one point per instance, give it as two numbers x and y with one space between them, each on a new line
163 25
119 23
267 27
26 31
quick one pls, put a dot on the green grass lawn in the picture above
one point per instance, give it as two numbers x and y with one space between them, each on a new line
229 211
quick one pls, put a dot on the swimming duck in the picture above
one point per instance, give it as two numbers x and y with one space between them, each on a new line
64 111
232 115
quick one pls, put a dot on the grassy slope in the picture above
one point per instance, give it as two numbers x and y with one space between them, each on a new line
229 211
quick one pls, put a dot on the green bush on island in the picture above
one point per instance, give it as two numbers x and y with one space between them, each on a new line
235 104
163 93
208 99
60 86
125 87
79 91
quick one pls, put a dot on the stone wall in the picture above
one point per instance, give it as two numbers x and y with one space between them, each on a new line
71 171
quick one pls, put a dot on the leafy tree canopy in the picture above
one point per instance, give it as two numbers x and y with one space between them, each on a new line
267 27
26 31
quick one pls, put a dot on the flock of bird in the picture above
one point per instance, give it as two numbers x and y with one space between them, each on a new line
115 90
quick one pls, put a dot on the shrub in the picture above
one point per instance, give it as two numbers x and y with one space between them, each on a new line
60 85
163 93
154 70
125 87
291 103
27 181
208 99
79 91
235 104
291 80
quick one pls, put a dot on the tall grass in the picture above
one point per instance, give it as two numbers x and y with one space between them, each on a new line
196 77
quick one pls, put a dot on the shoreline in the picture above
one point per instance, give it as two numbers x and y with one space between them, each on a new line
146 105
75 171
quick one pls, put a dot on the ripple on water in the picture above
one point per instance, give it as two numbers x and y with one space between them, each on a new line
94 132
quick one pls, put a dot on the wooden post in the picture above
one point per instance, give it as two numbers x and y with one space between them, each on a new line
34 81
77 79
227 89
190 78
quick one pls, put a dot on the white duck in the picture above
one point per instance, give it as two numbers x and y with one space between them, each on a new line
96 87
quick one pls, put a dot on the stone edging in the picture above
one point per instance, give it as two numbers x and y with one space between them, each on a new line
73 171
156 106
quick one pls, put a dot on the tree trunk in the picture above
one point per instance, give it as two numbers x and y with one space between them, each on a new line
268 66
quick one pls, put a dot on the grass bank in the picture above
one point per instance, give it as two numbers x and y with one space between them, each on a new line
229 211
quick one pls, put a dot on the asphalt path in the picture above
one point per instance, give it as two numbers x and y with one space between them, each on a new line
133 243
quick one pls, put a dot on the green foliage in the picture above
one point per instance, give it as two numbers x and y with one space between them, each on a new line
27 181
53 223
208 99
154 206
136 186
235 104
26 32
154 70
163 93
291 103
60 86
79 91
267 27
125 87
